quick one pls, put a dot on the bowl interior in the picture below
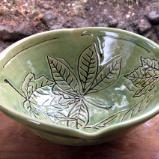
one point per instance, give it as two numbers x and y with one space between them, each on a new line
84 79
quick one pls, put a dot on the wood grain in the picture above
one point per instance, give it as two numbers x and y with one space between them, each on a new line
17 142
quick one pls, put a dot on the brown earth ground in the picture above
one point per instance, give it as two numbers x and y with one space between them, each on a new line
21 18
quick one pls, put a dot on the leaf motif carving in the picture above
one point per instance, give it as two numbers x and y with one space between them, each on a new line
87 67
108 74
80 115
28 106
145 89
150 63
97 103
125 114
31 84
145 76
62 75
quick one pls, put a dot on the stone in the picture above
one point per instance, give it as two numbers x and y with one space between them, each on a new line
153 17
102 25
5 32
157 31
69 24
88 8
143 26
56 26
99 20
122 25
4 45
152 35
130 28
49 18
112 22
10 33
25 29
81 22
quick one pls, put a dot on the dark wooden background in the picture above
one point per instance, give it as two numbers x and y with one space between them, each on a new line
17 142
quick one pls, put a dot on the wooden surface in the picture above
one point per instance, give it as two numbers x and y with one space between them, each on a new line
17 142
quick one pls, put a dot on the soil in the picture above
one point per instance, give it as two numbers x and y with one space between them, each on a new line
19 19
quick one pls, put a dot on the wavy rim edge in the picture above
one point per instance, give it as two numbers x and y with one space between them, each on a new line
71 132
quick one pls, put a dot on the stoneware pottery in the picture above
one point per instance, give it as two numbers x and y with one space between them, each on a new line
80 86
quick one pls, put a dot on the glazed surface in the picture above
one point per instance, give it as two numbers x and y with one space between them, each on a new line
85 80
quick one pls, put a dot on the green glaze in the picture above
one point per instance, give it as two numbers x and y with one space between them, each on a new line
80 86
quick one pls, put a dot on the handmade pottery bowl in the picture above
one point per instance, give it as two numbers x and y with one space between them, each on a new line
80 86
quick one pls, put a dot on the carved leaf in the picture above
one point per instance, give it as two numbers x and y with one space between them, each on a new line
108 74
150 63
28 107
145 76
62 75
87 67
97 102
80 115
151 67
49 103
147 87
124 115
31 84
136 76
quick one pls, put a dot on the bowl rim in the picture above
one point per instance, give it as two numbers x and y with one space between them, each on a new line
67 131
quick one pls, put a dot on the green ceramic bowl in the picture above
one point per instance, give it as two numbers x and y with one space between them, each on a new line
80 86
